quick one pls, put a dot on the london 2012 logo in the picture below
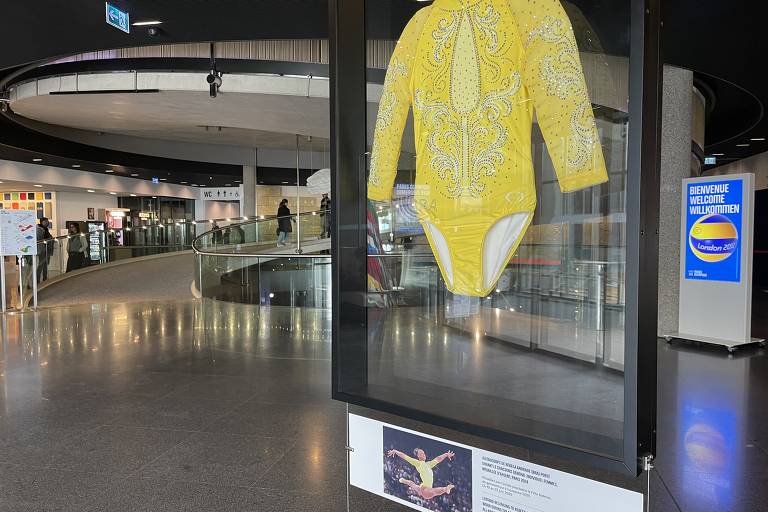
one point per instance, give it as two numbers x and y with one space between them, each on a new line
713 238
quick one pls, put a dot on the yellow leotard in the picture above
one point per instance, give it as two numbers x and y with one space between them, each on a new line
426 475
474 71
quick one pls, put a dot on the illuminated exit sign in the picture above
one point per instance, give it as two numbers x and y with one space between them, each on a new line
118 19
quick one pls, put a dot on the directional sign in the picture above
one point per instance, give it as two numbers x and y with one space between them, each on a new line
118 19
220 194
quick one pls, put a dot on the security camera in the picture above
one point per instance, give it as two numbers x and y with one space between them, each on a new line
214 82
153 31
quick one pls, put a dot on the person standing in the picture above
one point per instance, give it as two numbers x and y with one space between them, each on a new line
283 223
325 211
76 248
45 248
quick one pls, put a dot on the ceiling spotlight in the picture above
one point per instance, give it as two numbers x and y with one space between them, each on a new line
154 197
163 179
134 174
38 186
113 193
37 159
76 166
109 171
133 195
91 191
183 182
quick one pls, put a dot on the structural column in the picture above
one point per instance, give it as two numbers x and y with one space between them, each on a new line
248 199
677 134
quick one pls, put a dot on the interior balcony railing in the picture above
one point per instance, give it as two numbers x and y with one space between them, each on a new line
252 263
98 244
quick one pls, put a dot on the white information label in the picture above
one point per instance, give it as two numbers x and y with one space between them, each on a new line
431 474
18 235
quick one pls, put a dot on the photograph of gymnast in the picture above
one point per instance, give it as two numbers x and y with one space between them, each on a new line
430 474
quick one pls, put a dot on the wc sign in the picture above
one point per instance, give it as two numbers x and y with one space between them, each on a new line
220 194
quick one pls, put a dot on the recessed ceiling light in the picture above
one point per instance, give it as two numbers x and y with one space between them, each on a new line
758 139
37 159
718 154
134 174
38 186
109 171
183 182
147 23
133 195
210 178
154 197
742 145
91 191
194 184
238 181
228 185
113 193
76 166
163 179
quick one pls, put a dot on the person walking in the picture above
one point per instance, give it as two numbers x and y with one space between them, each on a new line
45 249
76 248
283 223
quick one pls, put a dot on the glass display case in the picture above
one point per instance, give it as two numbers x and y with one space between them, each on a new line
496 196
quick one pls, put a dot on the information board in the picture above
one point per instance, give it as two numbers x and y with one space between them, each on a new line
714 229
716 234
18 233
432 474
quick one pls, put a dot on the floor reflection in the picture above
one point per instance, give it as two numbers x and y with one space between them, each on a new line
210 406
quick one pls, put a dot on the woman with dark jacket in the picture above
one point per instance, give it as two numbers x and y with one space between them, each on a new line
283 223
76 248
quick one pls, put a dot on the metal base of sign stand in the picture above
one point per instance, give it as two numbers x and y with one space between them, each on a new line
730 345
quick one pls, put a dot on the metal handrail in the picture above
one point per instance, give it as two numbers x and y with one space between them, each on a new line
259 255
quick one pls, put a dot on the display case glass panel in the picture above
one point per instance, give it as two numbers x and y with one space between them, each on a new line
496 199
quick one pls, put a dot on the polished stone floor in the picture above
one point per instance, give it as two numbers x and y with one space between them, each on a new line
198 405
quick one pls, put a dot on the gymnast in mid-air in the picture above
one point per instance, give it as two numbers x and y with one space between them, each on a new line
424 468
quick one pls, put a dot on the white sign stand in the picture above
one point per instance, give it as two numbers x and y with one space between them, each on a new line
716 261
18 237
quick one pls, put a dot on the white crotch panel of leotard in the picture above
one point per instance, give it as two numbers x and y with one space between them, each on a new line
503 237
440 245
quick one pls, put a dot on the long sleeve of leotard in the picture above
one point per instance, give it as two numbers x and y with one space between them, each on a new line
554 77
393 111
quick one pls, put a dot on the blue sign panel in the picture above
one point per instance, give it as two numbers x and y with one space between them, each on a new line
118 19
713 227
155 180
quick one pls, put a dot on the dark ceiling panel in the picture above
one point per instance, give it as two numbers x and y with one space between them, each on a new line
51 28
724 40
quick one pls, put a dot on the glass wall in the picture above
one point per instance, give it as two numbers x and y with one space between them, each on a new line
497 176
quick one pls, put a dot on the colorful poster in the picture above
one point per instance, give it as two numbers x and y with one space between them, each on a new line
713 224
428 473
18 233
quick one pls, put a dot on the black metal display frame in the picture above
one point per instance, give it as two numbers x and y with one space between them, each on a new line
349 240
